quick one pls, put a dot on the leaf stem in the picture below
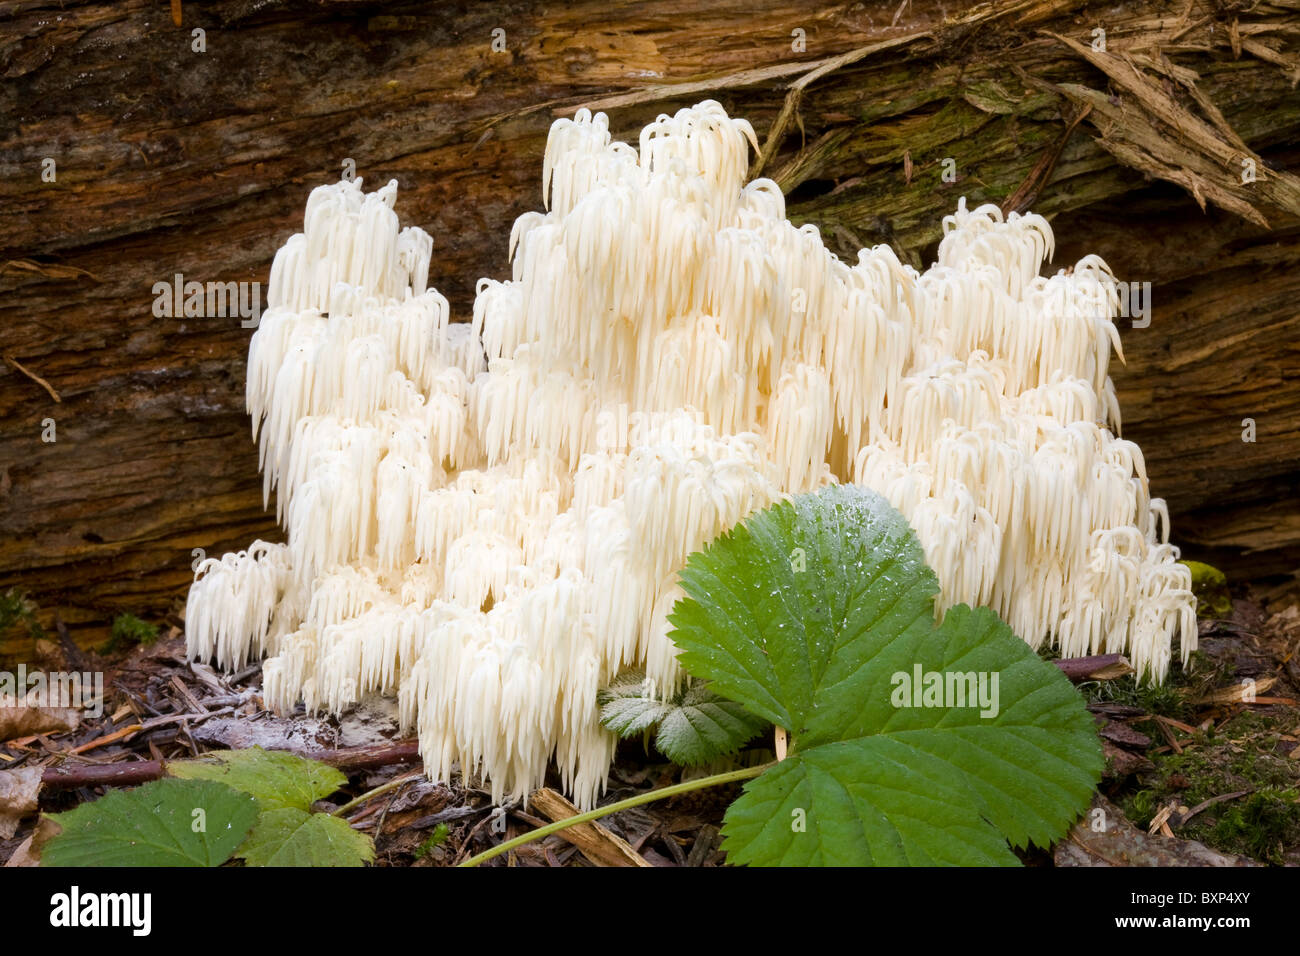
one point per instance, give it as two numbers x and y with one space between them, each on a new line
730 776
371 794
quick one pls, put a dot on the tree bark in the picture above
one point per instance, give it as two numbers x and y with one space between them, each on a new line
168 160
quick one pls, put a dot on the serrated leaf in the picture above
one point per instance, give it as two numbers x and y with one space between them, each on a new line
288 836
809 613
864 802
700 727
928 785
695 727
276 778
789 643
154 825
628 707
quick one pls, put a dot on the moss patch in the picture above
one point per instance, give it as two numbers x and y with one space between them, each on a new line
1174 698
1248 752
129 630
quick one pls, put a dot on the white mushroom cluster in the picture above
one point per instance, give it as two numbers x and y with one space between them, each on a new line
488 518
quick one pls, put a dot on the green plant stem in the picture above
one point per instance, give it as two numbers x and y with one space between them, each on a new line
371 794
730 776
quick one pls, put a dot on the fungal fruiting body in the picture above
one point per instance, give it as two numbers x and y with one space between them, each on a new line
487 518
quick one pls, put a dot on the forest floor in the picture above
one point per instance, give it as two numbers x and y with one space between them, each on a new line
1204 770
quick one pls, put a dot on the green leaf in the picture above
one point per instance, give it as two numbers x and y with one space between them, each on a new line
701 727
288 836
790 644
818 613
276 778
628 707
865 802
695 727
934 784
154 825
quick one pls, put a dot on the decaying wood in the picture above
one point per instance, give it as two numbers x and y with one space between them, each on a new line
18 720
596 843
1096 667
1104 837
68 777
172 161
349 759
1244 693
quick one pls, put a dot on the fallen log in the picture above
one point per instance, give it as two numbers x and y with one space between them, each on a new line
176 160
347 759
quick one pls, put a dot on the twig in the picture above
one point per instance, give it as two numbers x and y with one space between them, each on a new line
1189 28
369 757
190 700
246 673
649 797
1028 191
378 791
1182 819
1160 822
1185 728
107 739
141 702
155 722
33 376
460 854
596 842
1097 667
528 817
1237 693
102 775
1169 735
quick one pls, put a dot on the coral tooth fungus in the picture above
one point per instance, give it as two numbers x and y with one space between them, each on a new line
487 519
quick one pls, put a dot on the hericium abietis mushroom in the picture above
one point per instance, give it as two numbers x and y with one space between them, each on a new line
487 518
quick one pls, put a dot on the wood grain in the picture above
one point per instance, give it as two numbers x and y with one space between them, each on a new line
173 161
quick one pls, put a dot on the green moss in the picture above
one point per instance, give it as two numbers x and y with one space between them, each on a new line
1210 585
1263 824
1173 698
129 630
1242 755
436 839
